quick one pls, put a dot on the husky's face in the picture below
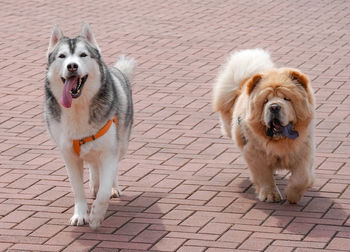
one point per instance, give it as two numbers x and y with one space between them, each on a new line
73 66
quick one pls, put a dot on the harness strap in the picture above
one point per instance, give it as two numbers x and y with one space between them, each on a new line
78 142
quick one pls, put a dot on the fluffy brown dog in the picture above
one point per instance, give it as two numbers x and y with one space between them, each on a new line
269 112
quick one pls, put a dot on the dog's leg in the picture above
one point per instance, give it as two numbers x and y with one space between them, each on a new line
75 172
262 178
226 123
108 172
115 189
301 179
94 179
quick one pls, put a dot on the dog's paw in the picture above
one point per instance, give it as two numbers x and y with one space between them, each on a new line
97 214
116 193
293 196
269 195
95 220
79 219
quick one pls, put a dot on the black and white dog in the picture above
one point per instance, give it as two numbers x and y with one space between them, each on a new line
89 114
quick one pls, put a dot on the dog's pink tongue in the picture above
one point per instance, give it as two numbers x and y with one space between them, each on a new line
66 96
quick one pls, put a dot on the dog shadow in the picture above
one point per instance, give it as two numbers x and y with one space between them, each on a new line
310 217
131 220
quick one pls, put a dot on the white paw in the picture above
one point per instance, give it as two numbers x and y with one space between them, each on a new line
116 193
95 220
97 214
269 194
292 195
79 219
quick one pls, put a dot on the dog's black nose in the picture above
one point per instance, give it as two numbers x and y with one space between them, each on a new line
275 108
72 67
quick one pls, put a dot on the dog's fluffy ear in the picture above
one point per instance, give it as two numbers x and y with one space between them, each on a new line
56 36
252 82
86 32
299 78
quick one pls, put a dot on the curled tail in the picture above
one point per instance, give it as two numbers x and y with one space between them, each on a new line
126 65
240 66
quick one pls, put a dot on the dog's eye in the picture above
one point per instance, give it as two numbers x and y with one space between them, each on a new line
265 101
286 99
62 56
83 55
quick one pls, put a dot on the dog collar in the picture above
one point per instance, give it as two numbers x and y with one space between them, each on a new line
78 142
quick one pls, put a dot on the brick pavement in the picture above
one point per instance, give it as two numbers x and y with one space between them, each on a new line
185 186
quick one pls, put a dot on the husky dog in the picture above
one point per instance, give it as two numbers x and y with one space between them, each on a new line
89 114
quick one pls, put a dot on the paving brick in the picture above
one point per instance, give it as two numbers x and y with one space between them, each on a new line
215 228
255 244
168 244
81 245
149 236
35 247
177 214
47 230
31 223
131 229
185 186
339 244
234 236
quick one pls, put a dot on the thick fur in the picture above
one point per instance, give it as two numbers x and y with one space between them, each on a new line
106 92
246 89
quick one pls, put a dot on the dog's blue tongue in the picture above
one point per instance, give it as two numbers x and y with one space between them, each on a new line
289 132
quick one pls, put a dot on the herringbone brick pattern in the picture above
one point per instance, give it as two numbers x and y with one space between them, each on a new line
185 186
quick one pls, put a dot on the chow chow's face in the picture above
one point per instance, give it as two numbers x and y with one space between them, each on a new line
279 99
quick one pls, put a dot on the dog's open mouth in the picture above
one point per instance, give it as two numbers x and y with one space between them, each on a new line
276 129
72 89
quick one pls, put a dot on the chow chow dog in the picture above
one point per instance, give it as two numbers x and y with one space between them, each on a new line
269 113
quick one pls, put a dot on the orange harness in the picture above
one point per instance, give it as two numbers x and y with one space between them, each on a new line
78 142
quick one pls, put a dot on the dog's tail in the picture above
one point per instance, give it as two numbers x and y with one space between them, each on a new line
239 66
126 65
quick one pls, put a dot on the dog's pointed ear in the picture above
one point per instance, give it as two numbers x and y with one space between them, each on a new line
56 36
252 82
299 78
86 32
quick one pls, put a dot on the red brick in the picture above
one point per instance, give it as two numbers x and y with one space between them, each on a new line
80 245
149 236
339 244
278 249
191 248
215 228
131 229
168 244
255 244
47 230
177 214
197 219
202 195
181 178
35 247
63 238
234 236
31 223
124 245
5 245
16 216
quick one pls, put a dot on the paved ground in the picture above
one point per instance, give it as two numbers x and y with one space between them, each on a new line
186 188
